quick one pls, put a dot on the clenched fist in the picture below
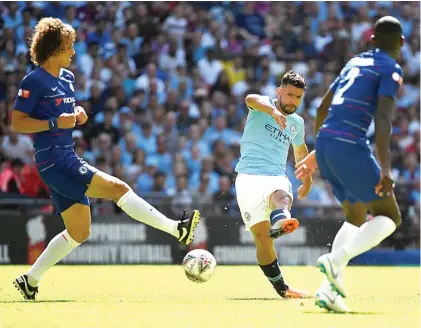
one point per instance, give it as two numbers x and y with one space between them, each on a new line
81 115
66 121
280 119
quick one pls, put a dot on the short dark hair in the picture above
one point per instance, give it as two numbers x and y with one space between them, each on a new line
47 39
17 162
293 78
388 32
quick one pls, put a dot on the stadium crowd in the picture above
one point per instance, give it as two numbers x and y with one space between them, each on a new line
164 85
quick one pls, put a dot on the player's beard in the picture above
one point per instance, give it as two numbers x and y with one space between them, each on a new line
287 109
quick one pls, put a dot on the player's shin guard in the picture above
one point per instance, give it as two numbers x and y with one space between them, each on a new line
370 234
142 211
274 275
59 247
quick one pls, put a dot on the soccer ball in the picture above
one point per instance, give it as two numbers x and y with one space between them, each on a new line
199 265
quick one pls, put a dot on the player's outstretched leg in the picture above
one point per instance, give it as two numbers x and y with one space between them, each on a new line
77 220
266 257
386 219
280 217
106 186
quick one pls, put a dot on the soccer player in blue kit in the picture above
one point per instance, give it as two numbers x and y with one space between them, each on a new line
364 90
45 106
264 193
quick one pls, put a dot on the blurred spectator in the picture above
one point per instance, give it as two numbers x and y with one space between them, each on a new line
16 145
224 197
11 178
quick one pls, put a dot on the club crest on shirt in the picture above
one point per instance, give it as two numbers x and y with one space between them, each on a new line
293 129
83 170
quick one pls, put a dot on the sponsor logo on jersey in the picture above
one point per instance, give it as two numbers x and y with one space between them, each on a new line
67 100
277 134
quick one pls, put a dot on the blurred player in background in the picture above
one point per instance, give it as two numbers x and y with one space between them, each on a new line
45 106
264 193
365 89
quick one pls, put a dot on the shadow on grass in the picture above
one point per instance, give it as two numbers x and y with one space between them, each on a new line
349 313
256 299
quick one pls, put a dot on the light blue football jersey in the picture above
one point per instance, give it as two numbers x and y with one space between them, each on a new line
264 147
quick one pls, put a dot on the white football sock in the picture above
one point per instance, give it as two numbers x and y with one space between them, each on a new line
345 233
59 247
140 210
369 235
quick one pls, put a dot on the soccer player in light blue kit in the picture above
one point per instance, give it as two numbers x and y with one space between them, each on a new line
364 91
264 193
45 106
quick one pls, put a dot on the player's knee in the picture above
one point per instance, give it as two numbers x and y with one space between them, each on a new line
80 234
397 218
356 221
118 188
389 208
280 200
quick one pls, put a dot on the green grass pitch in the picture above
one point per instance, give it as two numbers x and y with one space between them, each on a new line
237 296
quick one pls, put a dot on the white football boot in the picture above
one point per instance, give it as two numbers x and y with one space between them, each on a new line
332 273
327 298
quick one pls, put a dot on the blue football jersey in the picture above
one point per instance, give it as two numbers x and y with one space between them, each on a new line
365 77
44 96
264 147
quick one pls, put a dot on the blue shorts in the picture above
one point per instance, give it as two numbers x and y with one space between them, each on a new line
66 174
350 169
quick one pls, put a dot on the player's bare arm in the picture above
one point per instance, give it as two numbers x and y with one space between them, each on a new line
300 153
322 111
23 123
383 126
257 103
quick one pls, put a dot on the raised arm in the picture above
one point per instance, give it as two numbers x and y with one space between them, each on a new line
257 102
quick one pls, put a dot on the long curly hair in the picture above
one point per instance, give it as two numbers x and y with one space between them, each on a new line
47 39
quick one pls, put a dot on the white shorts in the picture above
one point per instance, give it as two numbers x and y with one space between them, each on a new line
253 195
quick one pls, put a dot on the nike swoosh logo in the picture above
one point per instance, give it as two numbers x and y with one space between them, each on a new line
22 280
334 274
331 300
54 89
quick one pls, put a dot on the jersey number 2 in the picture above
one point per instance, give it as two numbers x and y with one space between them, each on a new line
338 99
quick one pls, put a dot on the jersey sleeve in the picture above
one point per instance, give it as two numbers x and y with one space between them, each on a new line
27 96
334 84
299 138
266 99
390 82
